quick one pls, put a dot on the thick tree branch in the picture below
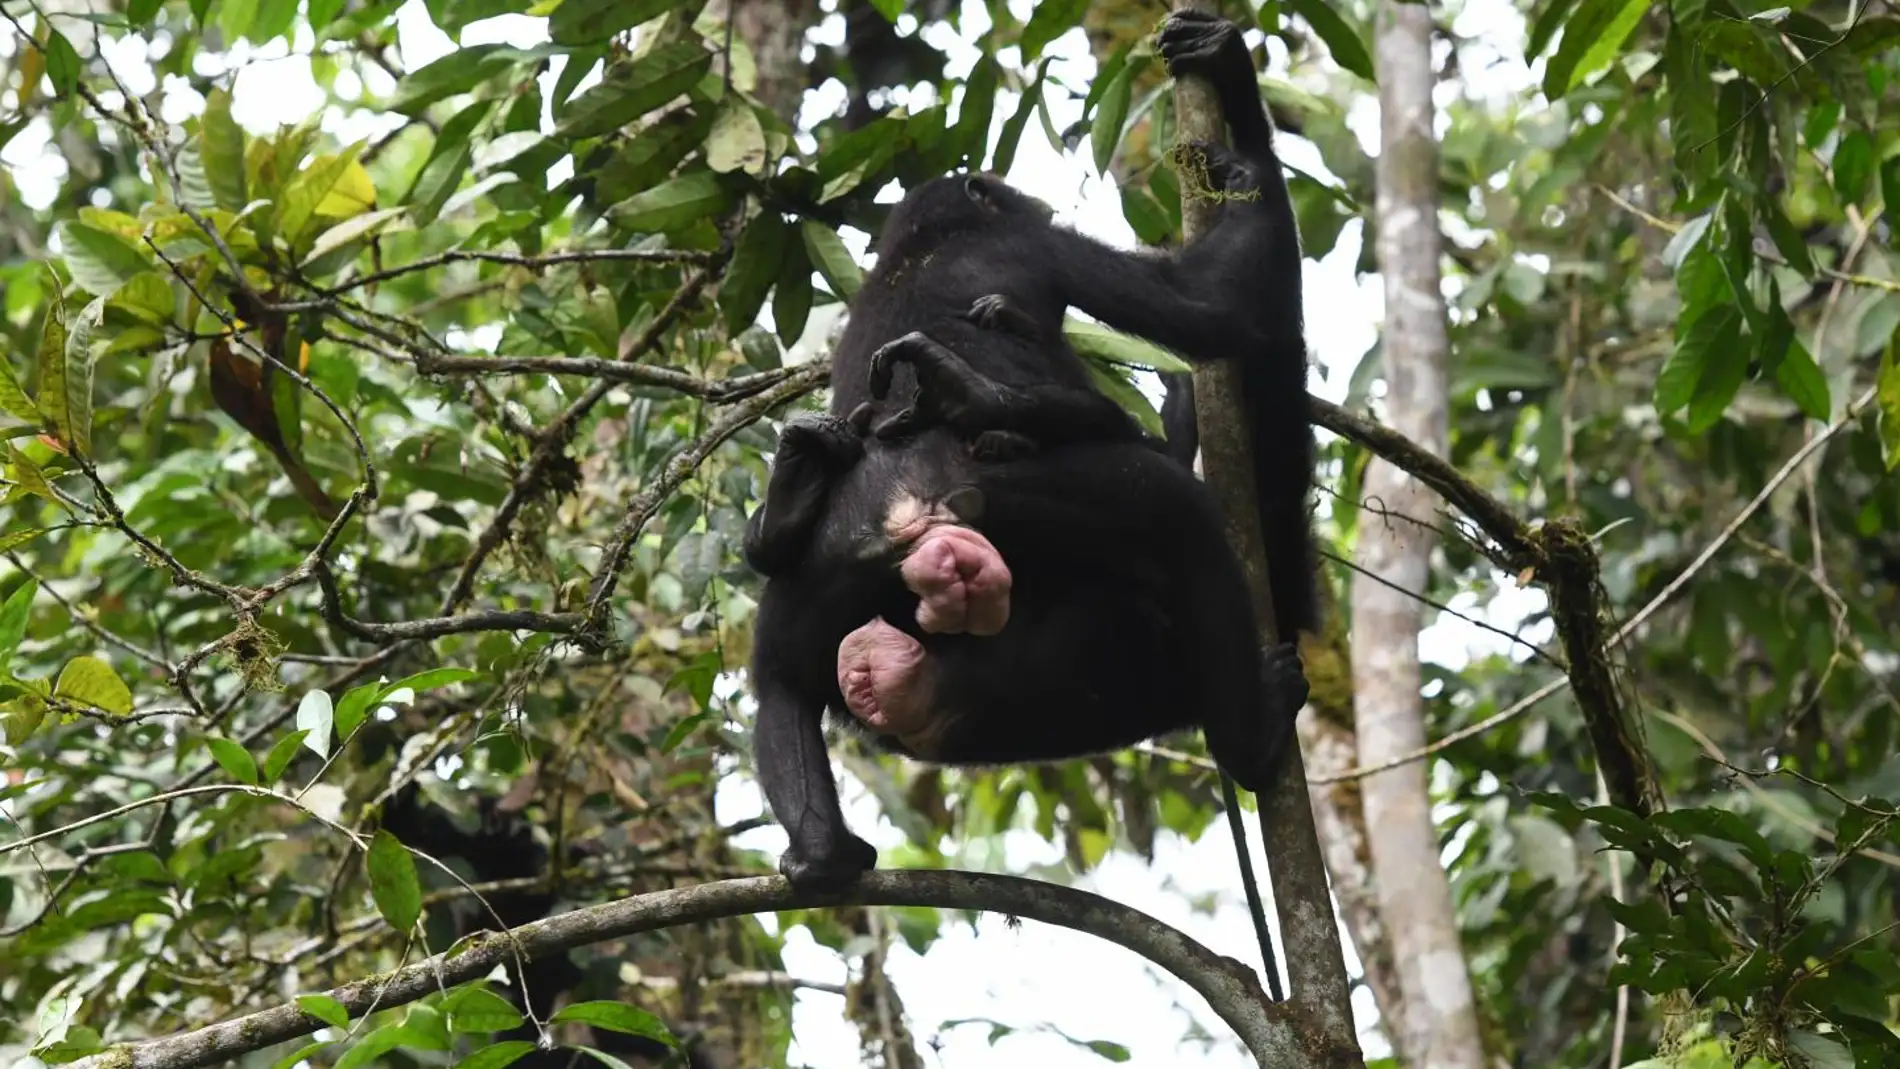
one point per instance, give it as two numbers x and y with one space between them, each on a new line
1271 1031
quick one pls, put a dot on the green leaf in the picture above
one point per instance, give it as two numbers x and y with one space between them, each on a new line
630 91
498 1056
14 539
100 260
1145 215
13 397
1097 342
1591 40
890 9
354 707
1725 367
1544 27
236 761
648 159
20 718
673 204
430 679
831 258
1050 20
1012 133
325 1009
1797 373
756 262
455 73
1105 132
1821 1052
583 22
791 295
14 614
1676 383
314 185
973 116
1887 396
316 718
221 146
1745 47
1853 166
91 681
478 1009
76 420
617 1017
1787 239
281 754
62 63
393 883
1341 37
737 140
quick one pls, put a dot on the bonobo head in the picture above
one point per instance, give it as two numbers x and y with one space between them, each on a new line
944 207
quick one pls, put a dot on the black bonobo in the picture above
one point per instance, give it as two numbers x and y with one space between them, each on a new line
978 558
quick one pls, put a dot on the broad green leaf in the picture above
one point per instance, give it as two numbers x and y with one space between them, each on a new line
1591 40
756 262
348 233
1887 396
281 754
1012 133
1105 131
1681 373
737 140
1745 47
18 537
317 718
63 65
973 116
1341 37
583 22
14 613
326 181
645 161
630 91
791 295
498 1056
91 681
325 1009
1114 384
477 1009
1050 20
673 204
831 258
458 72
77 417
1724 369
1853 166
354 707
1793 247
393 883
1145 215
20 718
1544 27
429 679
890 9
100 260
1100 343
13 397
617 1017
221 147
236 761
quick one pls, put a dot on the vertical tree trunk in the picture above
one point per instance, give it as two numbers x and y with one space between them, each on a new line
1440 1025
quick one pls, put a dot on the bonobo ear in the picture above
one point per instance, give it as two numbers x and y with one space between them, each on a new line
977 188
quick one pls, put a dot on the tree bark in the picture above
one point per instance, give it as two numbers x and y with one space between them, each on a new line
1309 930
1439 1027
1331 746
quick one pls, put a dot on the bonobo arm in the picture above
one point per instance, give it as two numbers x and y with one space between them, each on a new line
812 451
951 392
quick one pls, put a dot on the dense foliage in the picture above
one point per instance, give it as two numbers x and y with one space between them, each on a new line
395 461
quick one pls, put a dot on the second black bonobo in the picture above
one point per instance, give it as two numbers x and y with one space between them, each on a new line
1069 599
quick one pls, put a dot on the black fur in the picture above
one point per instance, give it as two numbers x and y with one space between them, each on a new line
1129 613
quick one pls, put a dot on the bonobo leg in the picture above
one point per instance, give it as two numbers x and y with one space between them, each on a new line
951 392
794 766
812 451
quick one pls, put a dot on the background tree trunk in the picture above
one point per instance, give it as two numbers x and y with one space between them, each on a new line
1439 1026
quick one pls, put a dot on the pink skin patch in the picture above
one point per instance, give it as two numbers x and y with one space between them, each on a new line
962 581
885 678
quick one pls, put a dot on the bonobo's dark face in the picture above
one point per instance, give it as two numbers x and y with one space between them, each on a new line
945 206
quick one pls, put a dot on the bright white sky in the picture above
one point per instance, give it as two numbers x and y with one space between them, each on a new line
1036 974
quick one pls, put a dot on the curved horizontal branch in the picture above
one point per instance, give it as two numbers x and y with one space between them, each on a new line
1268 1029
716 390
554 623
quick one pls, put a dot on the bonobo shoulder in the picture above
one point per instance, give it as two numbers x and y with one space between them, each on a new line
941 208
